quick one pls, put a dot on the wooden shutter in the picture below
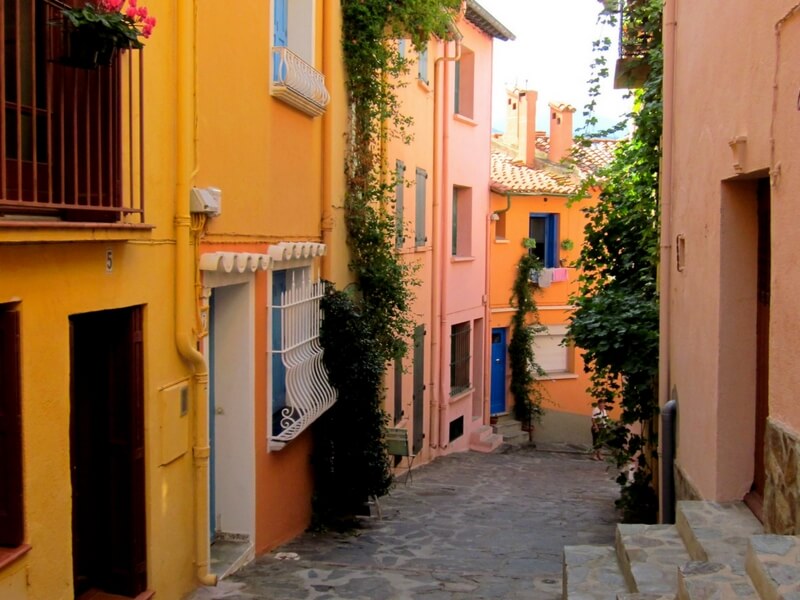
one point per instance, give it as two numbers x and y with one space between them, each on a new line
138 565
419 387
400 174
398 389
11 510
422 179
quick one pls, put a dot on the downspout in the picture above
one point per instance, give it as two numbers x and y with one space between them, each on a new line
439 256
185 301
670 24
329 26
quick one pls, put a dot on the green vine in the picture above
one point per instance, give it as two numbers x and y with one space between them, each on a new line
371 326
525 387
616 315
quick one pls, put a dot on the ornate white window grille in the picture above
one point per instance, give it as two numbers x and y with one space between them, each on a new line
297 83
308 393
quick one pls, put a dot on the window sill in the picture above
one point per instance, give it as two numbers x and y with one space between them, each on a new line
423 85
501 241
10 555
14 231
461 259
557 376
461 395
465 119
421 248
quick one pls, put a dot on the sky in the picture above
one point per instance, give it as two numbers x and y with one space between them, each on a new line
552 54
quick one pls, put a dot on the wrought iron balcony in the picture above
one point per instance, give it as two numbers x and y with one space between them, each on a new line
297 83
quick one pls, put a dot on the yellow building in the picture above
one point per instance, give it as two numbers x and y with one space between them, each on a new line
108 187
531 190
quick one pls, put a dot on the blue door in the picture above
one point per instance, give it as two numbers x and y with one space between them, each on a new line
498 397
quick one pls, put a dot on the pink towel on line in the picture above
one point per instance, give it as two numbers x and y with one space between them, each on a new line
560 274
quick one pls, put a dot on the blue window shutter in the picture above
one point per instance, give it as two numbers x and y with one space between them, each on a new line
280 37
552 241
422 72
278 369
419 237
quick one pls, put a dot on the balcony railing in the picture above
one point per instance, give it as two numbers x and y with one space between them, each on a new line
297 83
71 139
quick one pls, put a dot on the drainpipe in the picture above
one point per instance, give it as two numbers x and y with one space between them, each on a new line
439 256
185 281
665 258
329 27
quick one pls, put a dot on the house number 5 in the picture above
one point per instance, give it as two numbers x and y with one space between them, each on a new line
109 261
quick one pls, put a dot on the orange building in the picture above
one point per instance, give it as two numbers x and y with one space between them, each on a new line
531 188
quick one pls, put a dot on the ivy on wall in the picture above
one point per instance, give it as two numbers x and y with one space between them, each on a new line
616 317
368 326
525 387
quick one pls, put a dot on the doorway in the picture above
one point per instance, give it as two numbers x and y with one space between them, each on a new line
107 452
497 403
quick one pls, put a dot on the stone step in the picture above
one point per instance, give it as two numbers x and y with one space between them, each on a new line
483 439
717 531
640 596
649 557
702 580
591 573
773 564
507 427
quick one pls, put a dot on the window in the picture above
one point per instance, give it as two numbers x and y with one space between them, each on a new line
550 354
294 78
300 388
422 65
465 84
419 231
462 222
63 141
11 513
500 226
459 358
399 188
401 48
543 229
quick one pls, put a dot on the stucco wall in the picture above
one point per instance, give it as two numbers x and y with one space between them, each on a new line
725 76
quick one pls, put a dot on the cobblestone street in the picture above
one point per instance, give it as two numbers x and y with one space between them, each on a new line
477 526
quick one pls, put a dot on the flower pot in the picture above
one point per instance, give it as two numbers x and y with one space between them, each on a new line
87 50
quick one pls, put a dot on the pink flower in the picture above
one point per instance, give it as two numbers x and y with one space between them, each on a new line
132 3
150 21
147 30
131 12
142 12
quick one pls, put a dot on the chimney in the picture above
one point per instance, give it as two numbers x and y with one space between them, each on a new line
526 129
560 131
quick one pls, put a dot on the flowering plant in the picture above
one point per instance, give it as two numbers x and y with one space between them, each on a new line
112 21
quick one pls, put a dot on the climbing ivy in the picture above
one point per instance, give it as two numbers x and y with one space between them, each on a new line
616 315
369 326
525 324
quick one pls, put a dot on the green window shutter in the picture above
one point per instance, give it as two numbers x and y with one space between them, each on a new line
400 172
422 179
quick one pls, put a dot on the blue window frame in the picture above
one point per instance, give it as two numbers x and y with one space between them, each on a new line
280 36
543 228
422 67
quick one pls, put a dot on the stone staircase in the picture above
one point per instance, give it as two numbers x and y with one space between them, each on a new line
484 439
715 551
510 430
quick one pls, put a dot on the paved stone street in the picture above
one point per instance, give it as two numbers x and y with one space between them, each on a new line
469 526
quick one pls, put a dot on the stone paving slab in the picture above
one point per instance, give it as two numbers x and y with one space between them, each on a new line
699 580
717 531
649 556
773 563
470 526
591 573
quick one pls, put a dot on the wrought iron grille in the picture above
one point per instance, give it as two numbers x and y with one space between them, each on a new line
459 358
71 139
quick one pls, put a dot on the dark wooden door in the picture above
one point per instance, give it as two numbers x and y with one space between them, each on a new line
762 334
107 452
419 387
11 512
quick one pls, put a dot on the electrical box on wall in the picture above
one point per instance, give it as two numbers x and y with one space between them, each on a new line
207 201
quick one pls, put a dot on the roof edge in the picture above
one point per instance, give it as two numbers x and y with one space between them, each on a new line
486 22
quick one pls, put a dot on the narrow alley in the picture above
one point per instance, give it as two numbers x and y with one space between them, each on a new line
470 525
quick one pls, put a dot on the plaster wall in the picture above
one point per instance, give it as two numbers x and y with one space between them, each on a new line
724 79
568 408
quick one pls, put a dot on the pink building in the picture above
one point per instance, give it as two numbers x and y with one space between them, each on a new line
439 392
